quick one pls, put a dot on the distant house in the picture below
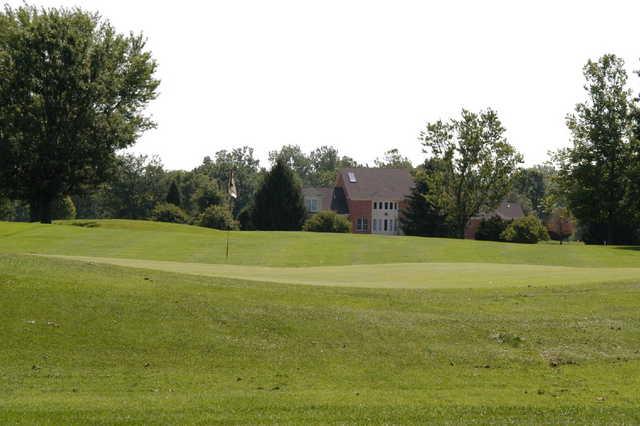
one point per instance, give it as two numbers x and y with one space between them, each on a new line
371 198
505 211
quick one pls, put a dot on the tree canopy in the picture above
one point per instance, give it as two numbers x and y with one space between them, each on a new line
279 205
597 171
474 165
72 92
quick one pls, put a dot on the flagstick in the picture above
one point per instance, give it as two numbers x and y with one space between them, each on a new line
231 189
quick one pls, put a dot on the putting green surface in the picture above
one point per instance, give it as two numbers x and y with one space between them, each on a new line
393 275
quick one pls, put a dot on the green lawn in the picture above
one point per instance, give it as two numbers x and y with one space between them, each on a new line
182 243
497 337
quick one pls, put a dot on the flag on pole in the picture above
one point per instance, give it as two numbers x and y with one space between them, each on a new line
233 192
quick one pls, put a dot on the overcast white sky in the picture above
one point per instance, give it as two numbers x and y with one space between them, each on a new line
364 76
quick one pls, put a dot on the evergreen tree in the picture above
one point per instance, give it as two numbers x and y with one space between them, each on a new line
173 196
278 203
421 217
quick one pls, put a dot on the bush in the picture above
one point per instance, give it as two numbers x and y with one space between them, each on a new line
167 212
491 229
561 225
327 221
217 217
63 208
526 229
244 219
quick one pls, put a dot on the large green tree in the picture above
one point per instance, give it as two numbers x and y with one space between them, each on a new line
596 171
72 92
474 165
279 205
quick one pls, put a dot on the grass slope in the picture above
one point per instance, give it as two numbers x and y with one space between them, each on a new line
182 243
87 343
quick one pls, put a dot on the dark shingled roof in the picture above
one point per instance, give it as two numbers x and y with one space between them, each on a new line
331 198
506 211
377 183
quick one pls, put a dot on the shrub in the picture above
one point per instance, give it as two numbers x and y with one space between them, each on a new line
526 229
327 221
560 224
491 229
167 212
217 217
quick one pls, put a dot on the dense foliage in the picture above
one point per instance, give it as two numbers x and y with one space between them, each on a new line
318 168
475 164
491 228
420 217
279 205
599 172
173 196
217 217
327 221
72 92
167 212
526 229
560 224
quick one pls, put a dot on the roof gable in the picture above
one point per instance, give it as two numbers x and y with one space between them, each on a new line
376 183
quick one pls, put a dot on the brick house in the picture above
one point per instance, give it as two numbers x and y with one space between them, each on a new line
371 198
505 211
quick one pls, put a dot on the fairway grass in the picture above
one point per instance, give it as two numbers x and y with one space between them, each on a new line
393 275
88 343
129 322
183 243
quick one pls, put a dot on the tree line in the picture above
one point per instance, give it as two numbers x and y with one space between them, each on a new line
73 93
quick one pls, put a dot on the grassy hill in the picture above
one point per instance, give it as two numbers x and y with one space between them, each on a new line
182 243
87 342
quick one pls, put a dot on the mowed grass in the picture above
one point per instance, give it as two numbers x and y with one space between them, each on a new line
129 322
87 343
390 275
182 243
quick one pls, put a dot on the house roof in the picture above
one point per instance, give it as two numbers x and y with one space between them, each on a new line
376 183
506 211
332 198
320 192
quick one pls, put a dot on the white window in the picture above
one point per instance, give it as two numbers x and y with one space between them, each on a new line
375 224
395 206
386 205
375 205
311 204
352 177
362 224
